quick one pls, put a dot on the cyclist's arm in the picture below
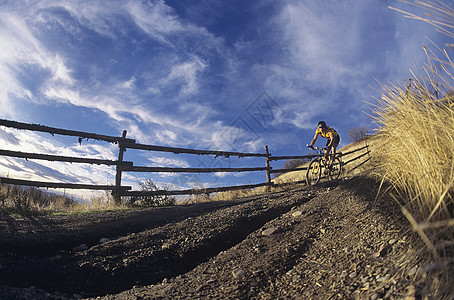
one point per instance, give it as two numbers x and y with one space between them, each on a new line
331 139
314 139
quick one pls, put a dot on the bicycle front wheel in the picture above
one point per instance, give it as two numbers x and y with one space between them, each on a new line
314 172
336 169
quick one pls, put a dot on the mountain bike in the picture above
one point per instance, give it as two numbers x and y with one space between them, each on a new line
319 168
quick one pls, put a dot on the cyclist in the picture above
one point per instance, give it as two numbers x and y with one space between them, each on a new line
332 142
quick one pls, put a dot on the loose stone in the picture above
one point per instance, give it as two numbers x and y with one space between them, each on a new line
238 273
383 278
269 231
82 247
297 214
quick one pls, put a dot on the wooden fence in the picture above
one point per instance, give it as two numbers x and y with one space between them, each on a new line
124 143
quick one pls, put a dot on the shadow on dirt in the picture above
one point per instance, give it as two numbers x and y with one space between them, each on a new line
46 236
155 247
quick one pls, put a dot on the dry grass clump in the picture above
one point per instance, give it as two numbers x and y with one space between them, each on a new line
417 158
25 201
416 127
234 194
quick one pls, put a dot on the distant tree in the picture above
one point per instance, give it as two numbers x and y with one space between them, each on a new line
448 99
293 163
358 133
450 94
152 200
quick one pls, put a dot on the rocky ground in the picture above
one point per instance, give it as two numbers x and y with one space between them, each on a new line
333 241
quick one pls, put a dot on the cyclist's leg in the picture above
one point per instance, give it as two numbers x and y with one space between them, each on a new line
333 149
331 157
327 159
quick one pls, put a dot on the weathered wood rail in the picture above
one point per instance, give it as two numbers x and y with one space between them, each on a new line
118 190
63 158
53 130
59 185
340 154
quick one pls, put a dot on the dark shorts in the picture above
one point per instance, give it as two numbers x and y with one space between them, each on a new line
335 142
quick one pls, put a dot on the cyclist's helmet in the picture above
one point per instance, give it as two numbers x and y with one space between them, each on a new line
322 124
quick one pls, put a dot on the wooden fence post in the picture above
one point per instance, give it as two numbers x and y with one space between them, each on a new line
121 151
267 161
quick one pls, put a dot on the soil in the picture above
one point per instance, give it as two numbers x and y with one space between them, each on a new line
336 240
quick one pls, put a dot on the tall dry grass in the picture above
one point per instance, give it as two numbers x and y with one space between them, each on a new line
26 201
416 128
417 154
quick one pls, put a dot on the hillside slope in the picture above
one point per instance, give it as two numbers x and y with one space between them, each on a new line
372 143
330 241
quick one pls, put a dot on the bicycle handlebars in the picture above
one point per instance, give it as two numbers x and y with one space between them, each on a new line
320 150
316 148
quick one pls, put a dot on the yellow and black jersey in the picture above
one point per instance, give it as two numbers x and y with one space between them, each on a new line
329 133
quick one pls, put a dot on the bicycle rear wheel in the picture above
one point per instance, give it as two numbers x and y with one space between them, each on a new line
336 169
314 172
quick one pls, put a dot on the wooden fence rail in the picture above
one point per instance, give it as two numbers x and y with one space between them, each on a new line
48 157
124 143
341 154
53 130
192 191
358 157
188 151
59 185
189 170
287 170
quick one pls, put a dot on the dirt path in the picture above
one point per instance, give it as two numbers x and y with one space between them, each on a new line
325 242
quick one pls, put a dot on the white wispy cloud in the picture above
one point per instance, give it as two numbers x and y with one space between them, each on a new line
187 73
50 171
17 47
20 53
22 46
337 50
156 19
168 162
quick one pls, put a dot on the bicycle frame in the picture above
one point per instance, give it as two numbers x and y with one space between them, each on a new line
314 170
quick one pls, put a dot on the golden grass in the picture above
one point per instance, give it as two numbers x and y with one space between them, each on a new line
16 200
416 122
416 155
417 132
234 194
418 135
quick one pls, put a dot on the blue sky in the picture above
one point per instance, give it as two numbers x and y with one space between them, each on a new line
221 75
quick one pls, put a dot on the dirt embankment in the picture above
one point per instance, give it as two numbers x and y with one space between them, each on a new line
331 241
